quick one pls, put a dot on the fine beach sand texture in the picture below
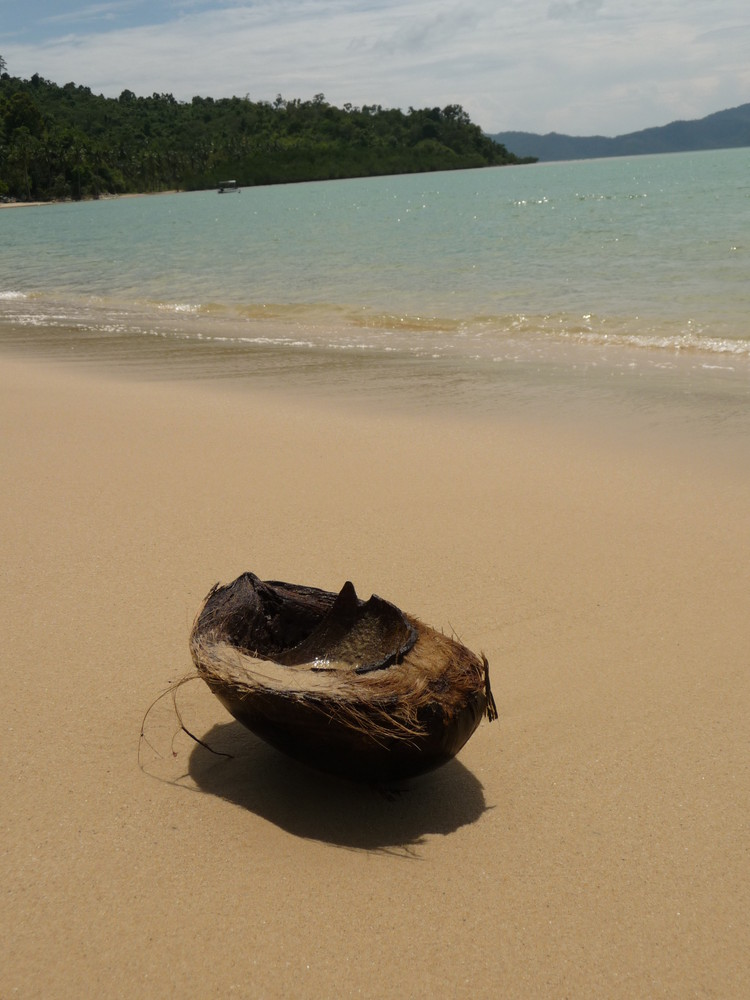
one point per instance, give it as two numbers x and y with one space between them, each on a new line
592 843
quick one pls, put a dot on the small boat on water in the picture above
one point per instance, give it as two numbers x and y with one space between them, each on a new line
225 186
353 687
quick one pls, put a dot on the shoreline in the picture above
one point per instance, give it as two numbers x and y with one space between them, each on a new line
591 842
666 401
72 201
27 204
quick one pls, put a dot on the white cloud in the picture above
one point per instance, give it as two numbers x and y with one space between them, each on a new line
91 12
565 9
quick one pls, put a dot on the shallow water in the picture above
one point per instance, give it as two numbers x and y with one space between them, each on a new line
622 278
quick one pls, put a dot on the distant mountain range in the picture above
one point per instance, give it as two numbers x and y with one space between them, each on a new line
721 130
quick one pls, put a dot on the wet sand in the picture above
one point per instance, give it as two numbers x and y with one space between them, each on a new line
593 842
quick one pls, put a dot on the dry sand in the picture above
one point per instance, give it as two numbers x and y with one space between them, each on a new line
593 843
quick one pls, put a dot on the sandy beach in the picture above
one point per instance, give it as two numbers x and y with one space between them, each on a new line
24 204
591 843
104 197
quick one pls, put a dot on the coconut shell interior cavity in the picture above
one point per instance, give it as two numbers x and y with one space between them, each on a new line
358 688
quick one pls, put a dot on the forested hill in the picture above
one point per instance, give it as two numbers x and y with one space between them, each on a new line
721 130
66 142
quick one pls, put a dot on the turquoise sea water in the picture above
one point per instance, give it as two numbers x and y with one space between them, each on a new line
517 277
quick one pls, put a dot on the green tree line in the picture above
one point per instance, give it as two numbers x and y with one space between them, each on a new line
60 142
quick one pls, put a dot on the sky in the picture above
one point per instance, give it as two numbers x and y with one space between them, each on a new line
580 67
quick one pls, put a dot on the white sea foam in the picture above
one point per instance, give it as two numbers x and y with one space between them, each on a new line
188 308
675 342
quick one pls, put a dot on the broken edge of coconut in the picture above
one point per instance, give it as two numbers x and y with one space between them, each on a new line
358 688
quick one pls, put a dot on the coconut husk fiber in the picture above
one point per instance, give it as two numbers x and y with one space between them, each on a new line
357 688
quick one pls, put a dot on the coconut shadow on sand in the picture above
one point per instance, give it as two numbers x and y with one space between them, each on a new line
318 806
